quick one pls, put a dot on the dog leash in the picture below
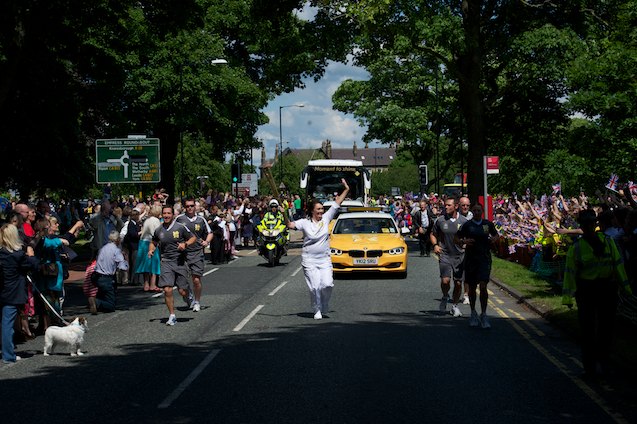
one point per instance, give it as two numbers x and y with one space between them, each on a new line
46 302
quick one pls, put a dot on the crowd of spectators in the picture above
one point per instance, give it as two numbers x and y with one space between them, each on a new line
52 229
535 231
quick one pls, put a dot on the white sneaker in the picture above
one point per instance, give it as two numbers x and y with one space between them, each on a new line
318 315
465 301
189 299
484 319
196 307
443 303
172 320
455 311
474 321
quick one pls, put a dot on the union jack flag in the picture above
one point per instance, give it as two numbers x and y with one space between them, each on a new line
612 182
632 187
557 188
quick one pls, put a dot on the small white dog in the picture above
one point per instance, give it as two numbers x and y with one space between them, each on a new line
72 335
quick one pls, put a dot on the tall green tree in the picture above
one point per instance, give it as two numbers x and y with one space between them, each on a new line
145 67
603 83
494 59
402 173
56 82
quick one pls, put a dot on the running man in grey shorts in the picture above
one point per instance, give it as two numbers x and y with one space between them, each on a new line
451 253
194 253
173 239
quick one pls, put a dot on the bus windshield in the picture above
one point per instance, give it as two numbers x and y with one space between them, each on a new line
323 181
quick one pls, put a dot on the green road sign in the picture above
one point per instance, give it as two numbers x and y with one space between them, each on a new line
127 160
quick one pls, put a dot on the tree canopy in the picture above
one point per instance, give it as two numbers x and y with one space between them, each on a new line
74 72
547 86
504 77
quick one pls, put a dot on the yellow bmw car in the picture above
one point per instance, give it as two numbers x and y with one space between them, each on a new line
368 241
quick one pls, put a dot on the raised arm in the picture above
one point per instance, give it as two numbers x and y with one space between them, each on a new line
76 228
339 199
534 212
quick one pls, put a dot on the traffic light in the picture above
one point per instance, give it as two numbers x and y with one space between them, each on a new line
235 171
424 175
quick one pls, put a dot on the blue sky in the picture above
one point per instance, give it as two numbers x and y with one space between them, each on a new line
316 121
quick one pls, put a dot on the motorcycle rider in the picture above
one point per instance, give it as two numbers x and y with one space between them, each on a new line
273 216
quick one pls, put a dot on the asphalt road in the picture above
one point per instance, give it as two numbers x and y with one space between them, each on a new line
254 354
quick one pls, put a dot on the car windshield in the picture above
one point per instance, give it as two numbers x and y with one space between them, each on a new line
365 226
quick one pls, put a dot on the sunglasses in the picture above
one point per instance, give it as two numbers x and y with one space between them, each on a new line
190 206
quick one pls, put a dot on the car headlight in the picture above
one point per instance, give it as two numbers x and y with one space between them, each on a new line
396 251
336 252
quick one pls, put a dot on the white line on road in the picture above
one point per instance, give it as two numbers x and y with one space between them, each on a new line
161 293
279 287
252 252
184 384
109 318
248 318
296 272
210 272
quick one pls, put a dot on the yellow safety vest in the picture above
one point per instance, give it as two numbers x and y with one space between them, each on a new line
269 218
582 264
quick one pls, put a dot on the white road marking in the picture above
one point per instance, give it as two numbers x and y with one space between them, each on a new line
184 384
248 318
161 293
109 318
296 272
279 287
252 252
210 272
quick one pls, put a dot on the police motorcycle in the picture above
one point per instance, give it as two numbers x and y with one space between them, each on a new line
272 238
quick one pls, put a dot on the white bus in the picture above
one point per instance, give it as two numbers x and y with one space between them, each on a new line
321 179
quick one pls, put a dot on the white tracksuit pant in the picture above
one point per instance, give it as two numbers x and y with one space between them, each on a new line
319 279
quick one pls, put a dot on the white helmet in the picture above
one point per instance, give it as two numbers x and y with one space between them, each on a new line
273 203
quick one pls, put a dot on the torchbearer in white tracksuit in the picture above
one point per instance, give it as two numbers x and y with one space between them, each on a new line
315 258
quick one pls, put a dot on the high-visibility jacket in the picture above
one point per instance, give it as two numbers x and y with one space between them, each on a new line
582 264
271 218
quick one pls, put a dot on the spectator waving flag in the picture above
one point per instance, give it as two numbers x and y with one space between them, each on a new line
612 182
557 188
632 189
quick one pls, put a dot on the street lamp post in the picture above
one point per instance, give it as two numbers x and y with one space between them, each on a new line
281 141
181 119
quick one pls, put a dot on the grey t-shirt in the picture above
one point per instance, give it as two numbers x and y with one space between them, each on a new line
169 239
445 230
197 226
